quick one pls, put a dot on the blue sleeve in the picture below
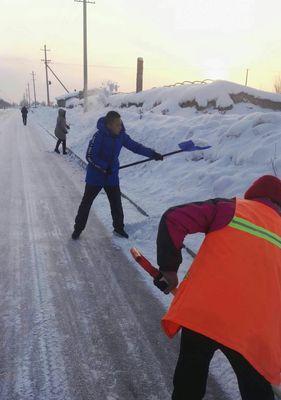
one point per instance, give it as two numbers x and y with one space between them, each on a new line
93 151
136 147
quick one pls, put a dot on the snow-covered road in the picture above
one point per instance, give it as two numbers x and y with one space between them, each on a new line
78 321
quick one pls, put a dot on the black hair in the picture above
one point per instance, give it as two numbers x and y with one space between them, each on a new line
111 116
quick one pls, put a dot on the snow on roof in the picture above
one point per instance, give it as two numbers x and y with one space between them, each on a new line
68 96
219 94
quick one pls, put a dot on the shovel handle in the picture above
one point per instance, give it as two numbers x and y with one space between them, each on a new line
147 266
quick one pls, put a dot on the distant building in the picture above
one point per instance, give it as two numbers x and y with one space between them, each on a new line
70 100
4 104
64 99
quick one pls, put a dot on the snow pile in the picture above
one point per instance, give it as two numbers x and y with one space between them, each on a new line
245 144
222 95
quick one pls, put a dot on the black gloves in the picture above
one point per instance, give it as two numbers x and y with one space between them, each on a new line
166 281
157 156
161 283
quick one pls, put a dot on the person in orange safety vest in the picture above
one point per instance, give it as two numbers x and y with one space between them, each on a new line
230 299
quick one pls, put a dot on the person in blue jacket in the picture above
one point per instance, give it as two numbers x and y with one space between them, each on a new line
103 170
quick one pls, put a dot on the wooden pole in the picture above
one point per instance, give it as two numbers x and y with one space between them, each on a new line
139 87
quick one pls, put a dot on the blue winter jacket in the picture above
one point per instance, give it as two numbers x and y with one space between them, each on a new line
103 153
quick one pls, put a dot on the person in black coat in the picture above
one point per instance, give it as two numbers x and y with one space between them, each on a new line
24 112
61 131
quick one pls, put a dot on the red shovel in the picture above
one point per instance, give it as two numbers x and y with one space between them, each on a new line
147 266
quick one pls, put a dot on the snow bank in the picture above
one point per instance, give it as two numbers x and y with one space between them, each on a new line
222 95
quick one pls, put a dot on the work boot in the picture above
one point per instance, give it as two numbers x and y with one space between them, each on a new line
75 235
121 233
65 152
57 151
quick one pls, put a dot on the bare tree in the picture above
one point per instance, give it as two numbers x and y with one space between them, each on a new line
277 84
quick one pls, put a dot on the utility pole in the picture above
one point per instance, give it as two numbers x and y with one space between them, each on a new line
28 90
247 75
139 75
85 45
46 62
34 88
26 95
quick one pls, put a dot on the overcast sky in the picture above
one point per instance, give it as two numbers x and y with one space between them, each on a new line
178 39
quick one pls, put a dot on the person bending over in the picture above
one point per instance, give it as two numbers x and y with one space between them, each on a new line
230 299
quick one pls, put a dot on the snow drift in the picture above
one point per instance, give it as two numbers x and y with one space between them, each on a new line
221 95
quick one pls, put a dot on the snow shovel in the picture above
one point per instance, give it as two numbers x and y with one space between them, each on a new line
154 272
148 267
184 146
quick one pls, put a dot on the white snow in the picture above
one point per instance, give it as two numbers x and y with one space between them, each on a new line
67 96
170 98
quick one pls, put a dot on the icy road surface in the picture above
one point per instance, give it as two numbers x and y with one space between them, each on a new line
78 321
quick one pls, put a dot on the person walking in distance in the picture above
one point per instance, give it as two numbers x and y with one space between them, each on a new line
230 299
24 112
61 131
103 170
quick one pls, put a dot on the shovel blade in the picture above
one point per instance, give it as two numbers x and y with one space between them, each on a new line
190 146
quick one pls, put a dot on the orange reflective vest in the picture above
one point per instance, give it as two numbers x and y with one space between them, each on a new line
232 292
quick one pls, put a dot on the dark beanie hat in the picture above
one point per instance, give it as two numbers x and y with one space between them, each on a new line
266 186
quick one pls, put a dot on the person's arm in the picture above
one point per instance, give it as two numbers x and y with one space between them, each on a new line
93 151
137 148
178 222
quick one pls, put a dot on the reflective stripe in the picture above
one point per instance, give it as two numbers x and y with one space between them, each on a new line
246 226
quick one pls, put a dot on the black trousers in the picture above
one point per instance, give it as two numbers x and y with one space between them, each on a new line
114 197
63 145
196 353
24 119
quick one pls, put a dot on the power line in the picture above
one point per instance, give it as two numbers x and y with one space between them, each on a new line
55 75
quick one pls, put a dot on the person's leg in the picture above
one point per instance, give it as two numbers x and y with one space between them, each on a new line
252 385
191 374
64 146
89 196
114 197
57 145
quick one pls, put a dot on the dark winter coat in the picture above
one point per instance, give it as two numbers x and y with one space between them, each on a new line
24 111
61 127
103 153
